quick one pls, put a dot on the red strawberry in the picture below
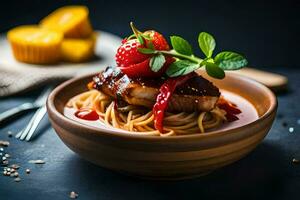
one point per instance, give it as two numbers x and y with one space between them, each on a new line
127 54
158 40
134 63
143 69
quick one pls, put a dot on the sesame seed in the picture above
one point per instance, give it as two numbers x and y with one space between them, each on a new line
27 171
73 195
296 161
18 179
291 129
4 143
15 166
9 133
37 161
4 163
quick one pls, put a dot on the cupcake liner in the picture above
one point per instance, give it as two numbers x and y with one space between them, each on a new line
36 54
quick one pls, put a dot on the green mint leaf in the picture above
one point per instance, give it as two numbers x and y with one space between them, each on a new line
207 43
157 62
181 67
146 51
140 39
181 45
214 71
230 60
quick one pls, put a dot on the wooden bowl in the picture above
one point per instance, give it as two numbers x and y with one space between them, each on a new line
154 157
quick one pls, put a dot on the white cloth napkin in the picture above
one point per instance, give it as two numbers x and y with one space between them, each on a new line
17 77
14 82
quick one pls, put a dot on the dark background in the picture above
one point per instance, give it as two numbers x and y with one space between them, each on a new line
267 32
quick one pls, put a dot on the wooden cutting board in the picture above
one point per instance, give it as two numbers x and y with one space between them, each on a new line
273 81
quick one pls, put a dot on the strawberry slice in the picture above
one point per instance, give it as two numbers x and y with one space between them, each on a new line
143 69
136 64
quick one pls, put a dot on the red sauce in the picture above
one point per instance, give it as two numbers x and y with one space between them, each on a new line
163 98
87 114
230 108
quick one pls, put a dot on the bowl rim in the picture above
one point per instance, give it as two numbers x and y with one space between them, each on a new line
97 130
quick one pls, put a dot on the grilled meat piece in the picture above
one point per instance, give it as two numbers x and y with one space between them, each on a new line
195 94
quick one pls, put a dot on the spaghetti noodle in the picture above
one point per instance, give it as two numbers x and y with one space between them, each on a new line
139 120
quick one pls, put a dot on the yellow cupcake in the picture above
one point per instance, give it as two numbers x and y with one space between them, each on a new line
72 21
78 50
32 44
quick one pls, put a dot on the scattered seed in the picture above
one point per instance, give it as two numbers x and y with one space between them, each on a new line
8 169
296 161
1 149
8 173
16 174
4 143
3 158
9 133
37 161
4 173
15 166
73 195
291 129
12 170
27 171
18 179
7 155
4 163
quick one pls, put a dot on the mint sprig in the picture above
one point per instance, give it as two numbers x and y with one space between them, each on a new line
157 62
214 70
230 61
181 45
207 43
181 67
186 62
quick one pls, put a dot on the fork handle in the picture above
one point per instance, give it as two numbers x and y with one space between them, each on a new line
9 114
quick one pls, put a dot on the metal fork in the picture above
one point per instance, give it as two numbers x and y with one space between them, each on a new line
28 131
32 125
11 113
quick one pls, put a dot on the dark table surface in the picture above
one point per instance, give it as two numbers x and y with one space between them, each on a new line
267 173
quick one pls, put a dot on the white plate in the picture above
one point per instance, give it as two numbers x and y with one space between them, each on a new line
106 48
